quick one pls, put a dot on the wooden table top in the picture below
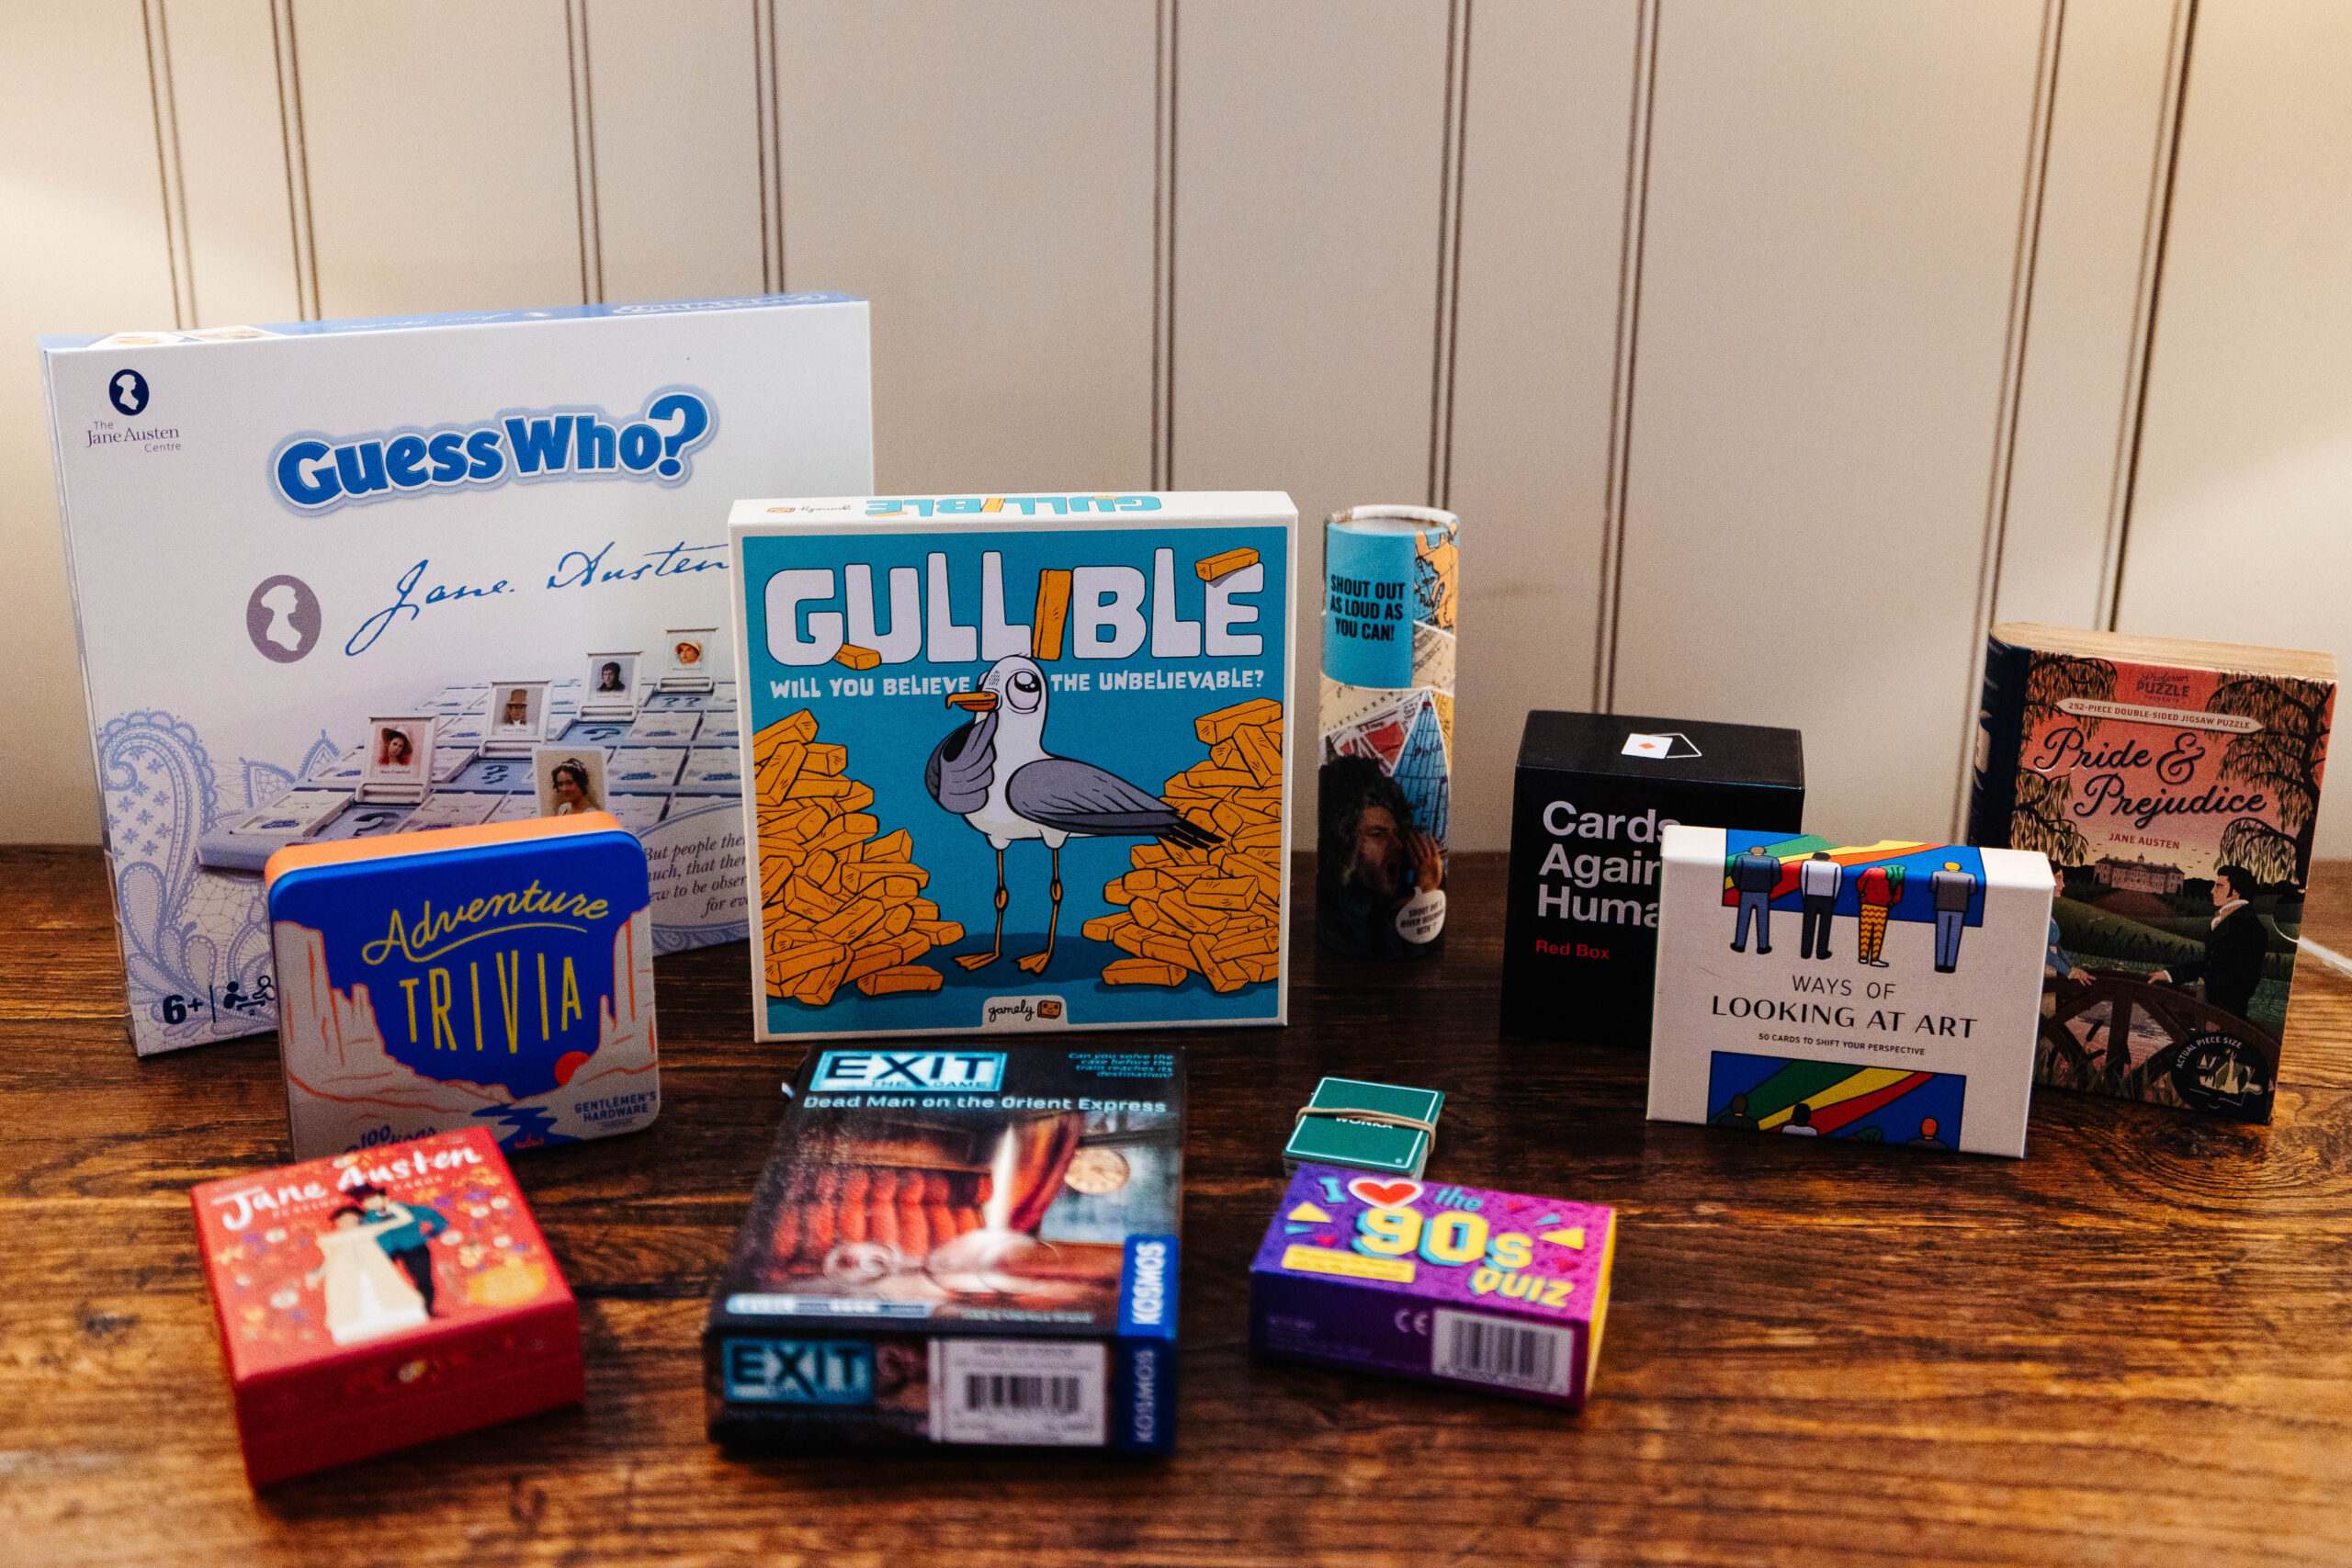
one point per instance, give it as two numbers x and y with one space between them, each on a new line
2132 1347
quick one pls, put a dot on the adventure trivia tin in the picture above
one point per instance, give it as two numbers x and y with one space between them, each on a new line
377 1299
499 975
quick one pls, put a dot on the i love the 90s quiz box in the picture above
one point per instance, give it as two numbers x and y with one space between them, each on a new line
338 580
1015 761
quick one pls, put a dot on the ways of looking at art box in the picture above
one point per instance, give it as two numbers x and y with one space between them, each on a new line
1886 993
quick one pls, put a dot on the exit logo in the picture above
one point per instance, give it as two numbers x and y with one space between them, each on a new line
964 1072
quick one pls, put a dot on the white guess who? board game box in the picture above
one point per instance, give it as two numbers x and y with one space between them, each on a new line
345 578
1886 993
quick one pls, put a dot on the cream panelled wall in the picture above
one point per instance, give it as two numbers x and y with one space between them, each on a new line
1770 352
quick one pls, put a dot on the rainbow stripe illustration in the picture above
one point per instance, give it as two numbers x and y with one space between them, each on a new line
1835 1100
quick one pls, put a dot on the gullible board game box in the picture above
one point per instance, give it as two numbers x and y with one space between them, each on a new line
381 1298
1593 794
1886 993
2176 786
1499 1291
1017 762
283 541
499 976
966 1246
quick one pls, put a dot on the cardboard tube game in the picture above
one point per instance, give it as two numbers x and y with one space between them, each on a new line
1391 583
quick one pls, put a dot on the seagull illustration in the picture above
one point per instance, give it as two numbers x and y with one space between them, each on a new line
996 773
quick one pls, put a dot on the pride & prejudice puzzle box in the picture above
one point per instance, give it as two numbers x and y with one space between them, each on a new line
1015 761
2175 784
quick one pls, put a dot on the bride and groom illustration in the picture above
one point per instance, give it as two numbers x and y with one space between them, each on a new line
378 1266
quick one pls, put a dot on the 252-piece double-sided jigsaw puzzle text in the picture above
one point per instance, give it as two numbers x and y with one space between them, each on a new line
1015 761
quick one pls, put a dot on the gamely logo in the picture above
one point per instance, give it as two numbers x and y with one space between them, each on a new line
962 1072
318 473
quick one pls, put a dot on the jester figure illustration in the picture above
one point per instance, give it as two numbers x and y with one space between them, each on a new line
995 773
1941 885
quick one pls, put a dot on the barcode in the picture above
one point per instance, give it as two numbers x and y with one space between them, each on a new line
999 1392
1019 1391
1512 1355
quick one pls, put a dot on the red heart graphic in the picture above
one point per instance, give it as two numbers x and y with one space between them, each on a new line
1385 1194
1514 1205
1326 1239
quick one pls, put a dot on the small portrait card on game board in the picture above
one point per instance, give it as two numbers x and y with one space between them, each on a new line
1887 993
694 651
398 765
519 718
498 974
611 689
570 779
376 1300
1498 1291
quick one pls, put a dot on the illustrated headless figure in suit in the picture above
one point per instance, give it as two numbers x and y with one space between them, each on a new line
2235 946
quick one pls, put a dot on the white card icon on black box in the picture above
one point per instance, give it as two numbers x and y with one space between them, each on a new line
1658 748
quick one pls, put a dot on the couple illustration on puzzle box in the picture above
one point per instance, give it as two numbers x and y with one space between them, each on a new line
1755 876
377 1267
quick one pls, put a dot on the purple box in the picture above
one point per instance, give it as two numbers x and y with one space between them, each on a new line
1493 1291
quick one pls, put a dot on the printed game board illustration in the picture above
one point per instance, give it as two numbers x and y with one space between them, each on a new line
188 844
1834 1100
1938 885
2180 805
1054 834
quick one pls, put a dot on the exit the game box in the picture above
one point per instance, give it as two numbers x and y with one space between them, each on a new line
342 580
959 1245
1015 761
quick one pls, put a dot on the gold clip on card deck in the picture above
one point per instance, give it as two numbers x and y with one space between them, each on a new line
1015 761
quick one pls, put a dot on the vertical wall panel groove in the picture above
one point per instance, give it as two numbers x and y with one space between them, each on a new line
288 59
1452 132
170 174
770 138
2013 360
1610 580
583 151
2129 448
1163 244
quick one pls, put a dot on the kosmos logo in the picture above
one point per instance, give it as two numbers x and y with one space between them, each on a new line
317 473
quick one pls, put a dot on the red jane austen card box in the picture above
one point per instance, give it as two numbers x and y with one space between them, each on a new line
381 1298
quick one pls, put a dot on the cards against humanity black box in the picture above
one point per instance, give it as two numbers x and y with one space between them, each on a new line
1594 794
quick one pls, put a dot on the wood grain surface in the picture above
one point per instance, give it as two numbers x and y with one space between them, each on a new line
2132 1347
